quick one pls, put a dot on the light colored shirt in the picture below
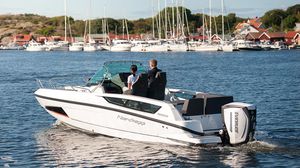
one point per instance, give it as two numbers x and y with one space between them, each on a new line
132 79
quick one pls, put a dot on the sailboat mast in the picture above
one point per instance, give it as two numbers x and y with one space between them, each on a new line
166 21
209 21
90 21
65 19
173 20
159 21
153 26
222 3
203 26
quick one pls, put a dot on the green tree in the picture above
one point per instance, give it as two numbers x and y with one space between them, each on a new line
289 22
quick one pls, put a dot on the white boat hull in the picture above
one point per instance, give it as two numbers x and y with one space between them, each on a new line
35 48
75 48
89 48
206 48
94 114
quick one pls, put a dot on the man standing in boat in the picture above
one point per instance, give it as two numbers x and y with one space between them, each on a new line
153 71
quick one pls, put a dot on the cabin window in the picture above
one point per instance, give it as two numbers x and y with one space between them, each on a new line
136 105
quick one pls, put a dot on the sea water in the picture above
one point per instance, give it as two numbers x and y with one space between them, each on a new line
30 137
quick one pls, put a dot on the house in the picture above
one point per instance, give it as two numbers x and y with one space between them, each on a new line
292 37
272 36
22 39
253 36
251 26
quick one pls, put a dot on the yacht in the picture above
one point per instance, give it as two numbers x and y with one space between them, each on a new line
177 46
139 46
35 46
229 47
206 47
57 46
156 46
118 46
247 45
90 47
12 46
151 114
77 46
279 45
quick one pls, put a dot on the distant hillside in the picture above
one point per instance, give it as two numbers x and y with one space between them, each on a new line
275 20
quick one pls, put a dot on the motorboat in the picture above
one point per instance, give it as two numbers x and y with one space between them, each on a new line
247 45
178 46
279 45
12 46
118 46
156 46
35 46
152 113
139 46
57 46
89 47
77 46
207 47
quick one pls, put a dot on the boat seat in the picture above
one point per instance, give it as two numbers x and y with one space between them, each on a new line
110 87
124 77
192 107
213 102
140 87
157 87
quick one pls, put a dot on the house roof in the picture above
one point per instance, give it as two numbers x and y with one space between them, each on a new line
254 35
292 34
273 34
255 22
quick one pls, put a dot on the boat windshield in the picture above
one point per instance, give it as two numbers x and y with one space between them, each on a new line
113 68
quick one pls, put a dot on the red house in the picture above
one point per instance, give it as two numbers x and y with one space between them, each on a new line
292 37
274 36
22 39
253 36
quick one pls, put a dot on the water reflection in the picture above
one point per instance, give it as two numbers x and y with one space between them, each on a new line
63 146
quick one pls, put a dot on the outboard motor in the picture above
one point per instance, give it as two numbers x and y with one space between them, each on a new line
239 123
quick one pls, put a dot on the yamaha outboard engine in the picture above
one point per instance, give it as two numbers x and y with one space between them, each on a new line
239 123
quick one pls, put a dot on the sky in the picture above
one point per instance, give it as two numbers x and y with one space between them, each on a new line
135 9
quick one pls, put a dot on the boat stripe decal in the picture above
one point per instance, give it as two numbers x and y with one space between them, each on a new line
125 112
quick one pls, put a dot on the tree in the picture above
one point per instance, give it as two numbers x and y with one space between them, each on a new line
289 22
273 17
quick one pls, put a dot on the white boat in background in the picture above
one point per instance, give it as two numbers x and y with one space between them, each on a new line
90 47
279 45
156 114
247 45
35 46
77 46
206 47
139 46
120 45
228 47
12 46
177 46
57 46
156 46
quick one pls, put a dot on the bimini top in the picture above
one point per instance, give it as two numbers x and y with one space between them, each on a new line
112 68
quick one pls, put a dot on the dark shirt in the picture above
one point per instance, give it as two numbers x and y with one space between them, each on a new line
151 75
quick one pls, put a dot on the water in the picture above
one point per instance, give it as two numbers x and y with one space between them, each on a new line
30 137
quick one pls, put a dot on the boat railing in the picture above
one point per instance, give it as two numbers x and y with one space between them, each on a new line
50 84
